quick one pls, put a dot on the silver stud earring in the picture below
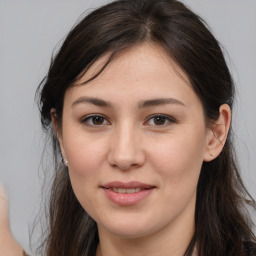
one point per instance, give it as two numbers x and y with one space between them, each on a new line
65 161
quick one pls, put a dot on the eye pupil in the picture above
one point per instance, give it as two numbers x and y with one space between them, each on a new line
97 120
159 120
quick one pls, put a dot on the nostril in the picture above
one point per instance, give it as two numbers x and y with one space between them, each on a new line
125 154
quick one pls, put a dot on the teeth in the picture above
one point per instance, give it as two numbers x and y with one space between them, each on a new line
126 191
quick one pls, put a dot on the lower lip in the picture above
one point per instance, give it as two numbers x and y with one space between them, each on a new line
127 199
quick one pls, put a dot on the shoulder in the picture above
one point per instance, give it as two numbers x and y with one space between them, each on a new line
250 248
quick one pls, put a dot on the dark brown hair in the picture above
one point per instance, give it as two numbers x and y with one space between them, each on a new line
221 223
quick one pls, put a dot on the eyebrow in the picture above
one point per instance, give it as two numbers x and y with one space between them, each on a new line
161 101
94 101
142 104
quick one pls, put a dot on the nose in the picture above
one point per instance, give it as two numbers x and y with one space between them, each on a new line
126 151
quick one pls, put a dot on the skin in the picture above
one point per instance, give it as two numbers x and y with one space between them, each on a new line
8 245
130 144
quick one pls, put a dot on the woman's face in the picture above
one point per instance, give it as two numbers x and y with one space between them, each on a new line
135 139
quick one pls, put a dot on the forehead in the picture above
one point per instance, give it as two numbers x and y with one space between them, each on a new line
135 61
142 72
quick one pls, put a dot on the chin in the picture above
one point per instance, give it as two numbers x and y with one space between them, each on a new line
132 233
129 229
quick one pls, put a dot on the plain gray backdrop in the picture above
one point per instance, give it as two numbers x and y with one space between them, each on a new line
29 31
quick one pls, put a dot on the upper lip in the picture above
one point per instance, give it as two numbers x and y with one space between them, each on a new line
127 185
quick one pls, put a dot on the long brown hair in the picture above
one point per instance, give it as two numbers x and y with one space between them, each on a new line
221 222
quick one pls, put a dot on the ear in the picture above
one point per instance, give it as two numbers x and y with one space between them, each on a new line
217 133
57 130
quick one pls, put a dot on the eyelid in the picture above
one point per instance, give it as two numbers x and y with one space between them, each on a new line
87 117
170 119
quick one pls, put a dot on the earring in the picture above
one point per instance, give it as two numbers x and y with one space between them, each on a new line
65 161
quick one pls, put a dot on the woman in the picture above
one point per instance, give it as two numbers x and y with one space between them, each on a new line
138 101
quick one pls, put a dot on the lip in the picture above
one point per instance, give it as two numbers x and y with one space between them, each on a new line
127 185
124 199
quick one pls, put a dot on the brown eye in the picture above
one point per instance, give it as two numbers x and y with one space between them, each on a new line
159 120
95 120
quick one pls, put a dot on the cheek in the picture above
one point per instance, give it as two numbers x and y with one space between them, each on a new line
179 158
177 163
85 155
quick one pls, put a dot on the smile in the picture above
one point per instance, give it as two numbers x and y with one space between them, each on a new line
125 194
127 191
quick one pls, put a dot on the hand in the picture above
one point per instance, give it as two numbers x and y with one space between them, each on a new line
8 245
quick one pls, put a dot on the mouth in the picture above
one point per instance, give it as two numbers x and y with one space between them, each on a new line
127 193
127 187
128 190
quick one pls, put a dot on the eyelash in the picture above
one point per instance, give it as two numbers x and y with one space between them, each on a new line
167 120
86 119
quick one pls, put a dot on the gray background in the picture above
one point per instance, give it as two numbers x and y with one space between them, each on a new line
29 31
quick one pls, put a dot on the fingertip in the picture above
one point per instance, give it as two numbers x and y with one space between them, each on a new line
3 203
3 194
